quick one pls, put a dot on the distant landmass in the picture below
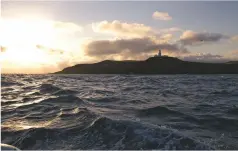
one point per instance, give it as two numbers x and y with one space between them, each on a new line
232 62
153 65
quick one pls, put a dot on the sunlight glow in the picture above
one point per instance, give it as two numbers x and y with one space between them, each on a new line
21 37
31 32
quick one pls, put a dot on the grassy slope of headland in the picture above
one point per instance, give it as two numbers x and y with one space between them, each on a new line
153 65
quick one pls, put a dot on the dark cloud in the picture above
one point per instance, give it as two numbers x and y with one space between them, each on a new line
205 57
129 46
194 38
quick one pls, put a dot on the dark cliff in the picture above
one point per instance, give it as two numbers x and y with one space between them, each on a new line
153 65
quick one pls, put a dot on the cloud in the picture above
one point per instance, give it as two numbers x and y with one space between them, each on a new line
134 30
161 16
166 37
63 64
232 54
35 31
129 47
3 49
234 38
67 26
205 57
123 29
170 30
50 50
194 38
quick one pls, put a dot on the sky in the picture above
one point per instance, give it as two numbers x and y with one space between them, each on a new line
47 36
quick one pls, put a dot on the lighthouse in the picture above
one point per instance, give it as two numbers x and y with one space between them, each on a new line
159 54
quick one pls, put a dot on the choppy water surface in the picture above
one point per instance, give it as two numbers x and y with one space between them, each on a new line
120 111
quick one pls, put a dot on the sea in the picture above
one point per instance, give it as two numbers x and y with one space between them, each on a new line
119 112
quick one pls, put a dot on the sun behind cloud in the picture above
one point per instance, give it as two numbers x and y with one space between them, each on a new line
19 38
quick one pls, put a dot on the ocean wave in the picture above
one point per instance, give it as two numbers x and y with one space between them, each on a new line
104 99
73 112
4 103
219 123
60 100
222 92
233 110
34 138
10 83
103 133
158 111
130 135
48 88
51 112
136 102
65 92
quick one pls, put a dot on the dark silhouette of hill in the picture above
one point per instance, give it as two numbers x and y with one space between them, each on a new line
233 62
153 65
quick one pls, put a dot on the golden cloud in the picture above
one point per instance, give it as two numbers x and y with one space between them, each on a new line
50 50
234 38
3 49
123 29
161 16
67 26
